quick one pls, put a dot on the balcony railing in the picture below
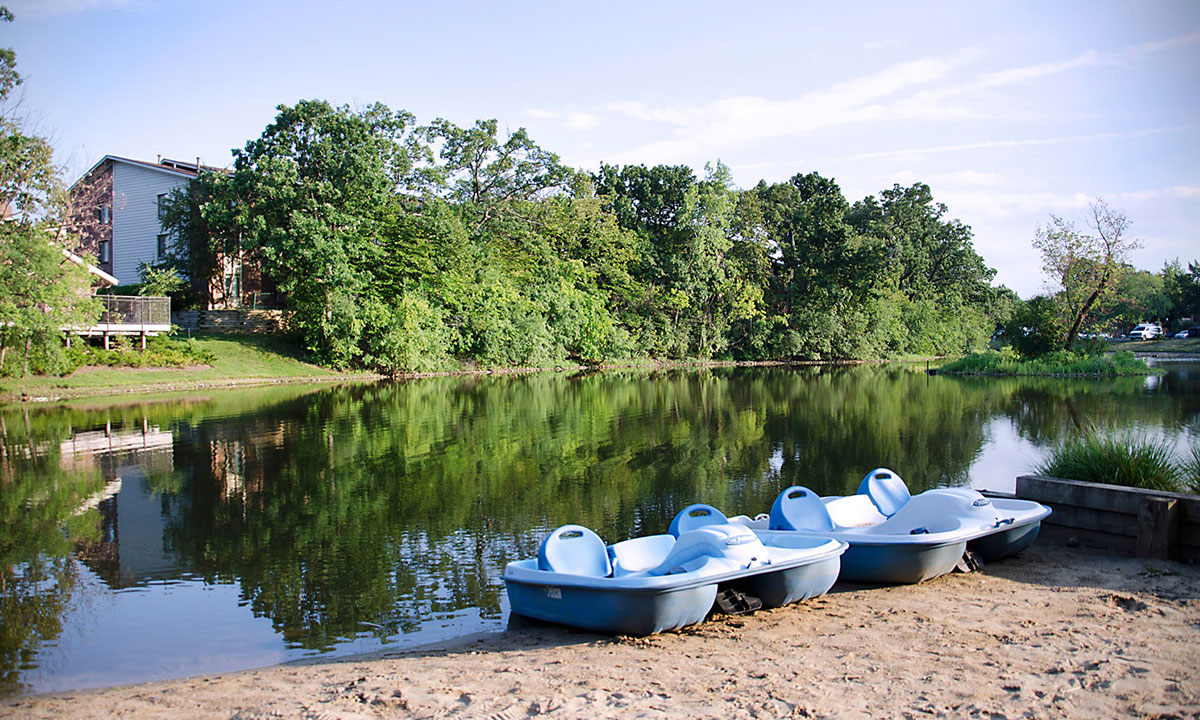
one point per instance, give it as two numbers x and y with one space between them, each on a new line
135 310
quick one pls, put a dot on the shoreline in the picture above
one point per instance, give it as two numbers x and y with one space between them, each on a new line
17 396
1056 632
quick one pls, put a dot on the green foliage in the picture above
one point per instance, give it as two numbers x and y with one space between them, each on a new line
1087 268
43 293
409 336
161 351
1059 362
522 261
1115 458
1035 328
1189 470
159 281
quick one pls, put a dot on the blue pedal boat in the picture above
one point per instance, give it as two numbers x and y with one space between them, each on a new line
895 537
1008 525
654 583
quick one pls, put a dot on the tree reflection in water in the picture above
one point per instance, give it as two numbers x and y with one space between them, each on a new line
378 509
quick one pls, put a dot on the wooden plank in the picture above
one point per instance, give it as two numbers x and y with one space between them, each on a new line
1157 527
1113 523
1057 491
1087 538
1189 533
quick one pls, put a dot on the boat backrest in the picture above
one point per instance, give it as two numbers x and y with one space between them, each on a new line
853 511
733 543
799 508
886 489
640 553
696 516
940 510
574 550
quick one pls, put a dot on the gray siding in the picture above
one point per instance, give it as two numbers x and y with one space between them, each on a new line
135 216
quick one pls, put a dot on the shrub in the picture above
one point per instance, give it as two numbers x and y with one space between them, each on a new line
1034 329
1007 362
408 336
161 351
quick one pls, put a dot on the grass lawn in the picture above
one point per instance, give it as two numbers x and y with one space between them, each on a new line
1189 345
240 359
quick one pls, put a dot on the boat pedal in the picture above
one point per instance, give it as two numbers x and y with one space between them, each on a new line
733 602
969 562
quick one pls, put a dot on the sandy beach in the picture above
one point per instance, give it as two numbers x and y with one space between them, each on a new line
1057 632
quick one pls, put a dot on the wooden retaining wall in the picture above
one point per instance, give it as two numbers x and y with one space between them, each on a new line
230 321
1146 523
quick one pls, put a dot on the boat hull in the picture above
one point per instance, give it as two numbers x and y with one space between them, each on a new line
788 586
1005 543
899 564
625 612
641 603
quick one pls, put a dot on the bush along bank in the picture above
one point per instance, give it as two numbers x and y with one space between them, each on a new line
1064 363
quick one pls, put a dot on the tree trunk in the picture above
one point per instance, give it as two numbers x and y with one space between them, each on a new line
1083 311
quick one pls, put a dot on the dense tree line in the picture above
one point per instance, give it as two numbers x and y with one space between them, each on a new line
401 246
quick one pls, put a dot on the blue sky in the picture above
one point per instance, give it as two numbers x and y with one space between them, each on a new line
1010 111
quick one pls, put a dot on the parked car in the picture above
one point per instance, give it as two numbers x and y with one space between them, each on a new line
1189 332
1146 331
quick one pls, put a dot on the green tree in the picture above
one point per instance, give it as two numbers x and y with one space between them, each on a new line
317 183
1085 269
1035 328
487 174
46 287
824 279
159 280
1182 289
928 269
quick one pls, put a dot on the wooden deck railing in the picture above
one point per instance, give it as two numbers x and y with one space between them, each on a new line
135 310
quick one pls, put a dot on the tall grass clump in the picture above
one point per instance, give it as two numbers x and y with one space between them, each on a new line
1190 470
1116 458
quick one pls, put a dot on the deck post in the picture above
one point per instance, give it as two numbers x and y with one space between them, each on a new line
1157 527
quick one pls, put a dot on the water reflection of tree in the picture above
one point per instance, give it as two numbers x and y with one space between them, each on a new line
1045 410
41 518
398 503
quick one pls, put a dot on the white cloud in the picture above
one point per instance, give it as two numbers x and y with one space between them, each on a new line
970 177
1176 192
995 205
582 121
1001 144
700 130
731 121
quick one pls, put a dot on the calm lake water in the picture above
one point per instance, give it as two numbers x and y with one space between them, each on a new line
152 540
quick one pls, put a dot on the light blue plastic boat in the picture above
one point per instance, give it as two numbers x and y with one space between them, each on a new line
896 537
663 582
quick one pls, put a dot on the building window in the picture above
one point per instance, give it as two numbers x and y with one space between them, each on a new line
104 215
162 246
162 206
105 251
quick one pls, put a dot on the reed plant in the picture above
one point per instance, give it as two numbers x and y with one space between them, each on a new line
1190 470
1117 458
